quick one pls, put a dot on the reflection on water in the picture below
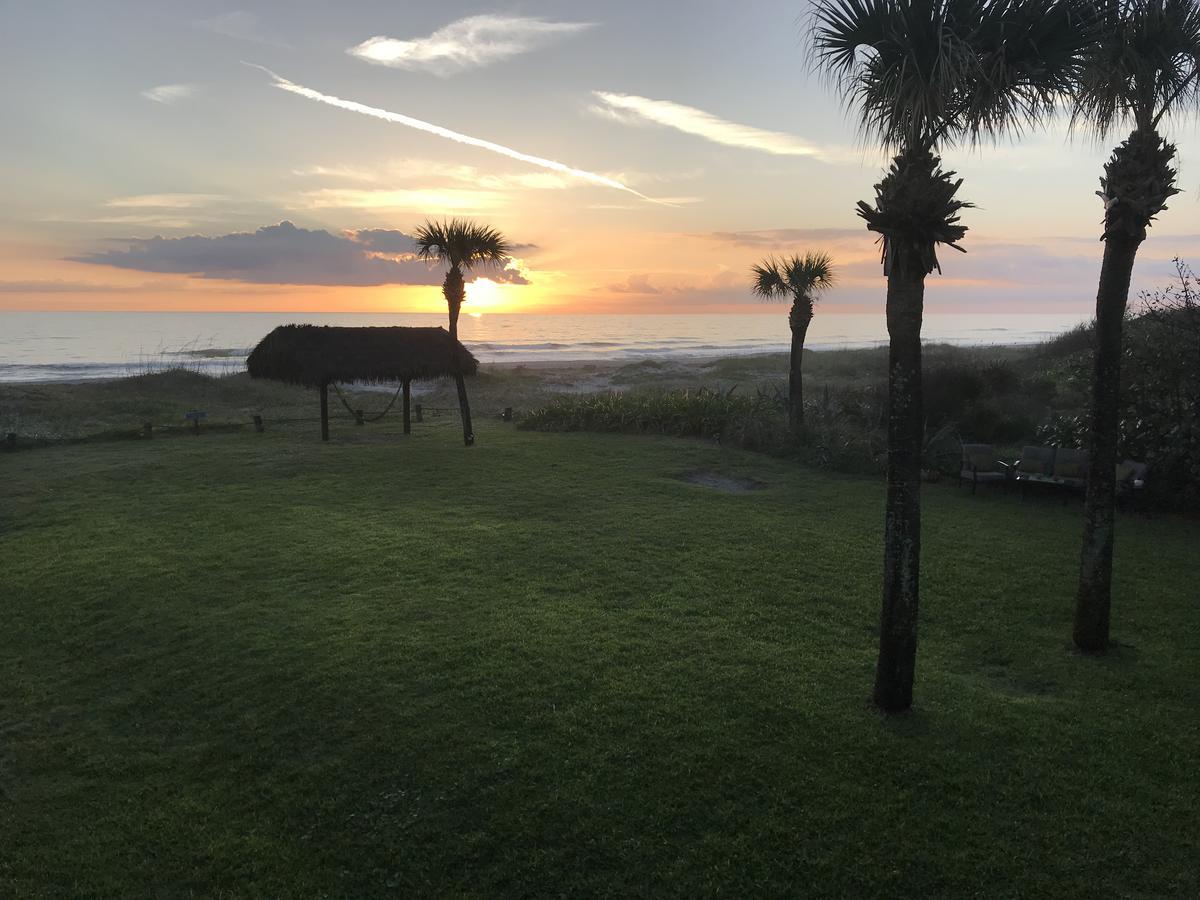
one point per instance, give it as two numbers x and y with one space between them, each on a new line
54 346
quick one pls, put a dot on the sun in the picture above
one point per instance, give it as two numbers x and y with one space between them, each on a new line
483 295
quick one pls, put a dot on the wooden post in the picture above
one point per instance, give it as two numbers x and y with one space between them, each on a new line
464 407
324 410
10 441
358 417
507 416
147 430
258 424
407 397
420 416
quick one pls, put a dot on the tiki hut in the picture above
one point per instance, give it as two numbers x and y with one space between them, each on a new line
316 356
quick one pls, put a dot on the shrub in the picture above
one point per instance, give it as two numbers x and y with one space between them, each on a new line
1080 339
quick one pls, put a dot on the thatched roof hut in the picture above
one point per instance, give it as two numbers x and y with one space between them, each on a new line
319 355
313 355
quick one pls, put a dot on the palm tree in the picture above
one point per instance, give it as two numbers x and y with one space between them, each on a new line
802 278
460 244
924 73
1142 67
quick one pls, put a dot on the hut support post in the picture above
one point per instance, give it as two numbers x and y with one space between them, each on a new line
407 398
324 410
464 407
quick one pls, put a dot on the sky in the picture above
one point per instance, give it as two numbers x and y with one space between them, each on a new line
640 157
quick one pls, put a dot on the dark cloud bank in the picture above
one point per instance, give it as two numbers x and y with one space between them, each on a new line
285 254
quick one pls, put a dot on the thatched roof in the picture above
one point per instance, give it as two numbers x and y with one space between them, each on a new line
312 355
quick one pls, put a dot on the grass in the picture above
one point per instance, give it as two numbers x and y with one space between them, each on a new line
256 665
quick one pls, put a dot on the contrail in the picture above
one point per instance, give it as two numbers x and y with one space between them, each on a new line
387 116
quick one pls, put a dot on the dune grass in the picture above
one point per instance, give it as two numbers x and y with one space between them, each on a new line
256 665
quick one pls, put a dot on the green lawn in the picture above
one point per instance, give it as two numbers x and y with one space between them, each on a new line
256 665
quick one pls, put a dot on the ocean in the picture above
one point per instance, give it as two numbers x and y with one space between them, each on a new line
79 346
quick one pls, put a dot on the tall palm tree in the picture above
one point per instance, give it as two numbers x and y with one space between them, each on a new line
924 73
1142 67
803 278
460 244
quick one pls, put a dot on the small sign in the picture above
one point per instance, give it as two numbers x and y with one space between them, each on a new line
195 415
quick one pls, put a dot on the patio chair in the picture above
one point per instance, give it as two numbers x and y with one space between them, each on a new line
1036 466
1035 463
980 465
1071 468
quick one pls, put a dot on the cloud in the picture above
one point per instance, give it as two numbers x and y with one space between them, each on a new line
285 254
426 170
634 284
346 173
469 43
167 94
399 119
631 109
786 237
58 286
165 201
446 199
240 25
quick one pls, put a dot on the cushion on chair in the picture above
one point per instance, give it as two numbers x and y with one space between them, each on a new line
980 457
1036 460
1072 464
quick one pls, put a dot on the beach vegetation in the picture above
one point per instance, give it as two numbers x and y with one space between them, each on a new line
1158 417
748 419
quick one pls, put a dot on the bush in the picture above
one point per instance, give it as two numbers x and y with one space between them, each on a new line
1063 431
1160 390
1080 339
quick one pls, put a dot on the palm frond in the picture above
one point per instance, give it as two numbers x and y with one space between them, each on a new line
1143 66
810 275
461 243
770 279
923 71
801 277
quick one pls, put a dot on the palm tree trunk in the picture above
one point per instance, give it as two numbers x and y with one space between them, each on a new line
464 408
799 324
896 666
1094 597
454 291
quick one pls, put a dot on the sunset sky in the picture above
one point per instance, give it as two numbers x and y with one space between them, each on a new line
277 156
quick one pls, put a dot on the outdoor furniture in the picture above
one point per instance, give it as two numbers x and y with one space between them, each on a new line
980 466
1055 467
1071 467
1131 482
